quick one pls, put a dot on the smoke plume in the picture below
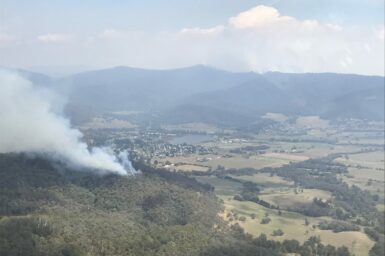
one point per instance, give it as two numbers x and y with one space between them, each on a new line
29 124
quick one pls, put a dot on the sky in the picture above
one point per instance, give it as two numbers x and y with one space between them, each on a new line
344 36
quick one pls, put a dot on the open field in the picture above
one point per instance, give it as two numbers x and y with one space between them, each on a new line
279 192
266 180
372 160
191 167
110 123
223 187
293 226
257 162
291 157
312 149
366 170
195 127
371 180
289 198
235 161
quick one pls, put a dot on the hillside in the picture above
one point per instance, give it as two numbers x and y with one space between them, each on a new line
47 209
221 94
204 94
124 88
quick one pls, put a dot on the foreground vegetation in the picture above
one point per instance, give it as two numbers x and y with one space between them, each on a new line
47 209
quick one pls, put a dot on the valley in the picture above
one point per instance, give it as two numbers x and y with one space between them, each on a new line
227 159
196 161
192 128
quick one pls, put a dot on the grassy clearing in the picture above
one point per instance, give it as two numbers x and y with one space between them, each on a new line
290 157
366 170
223 187
191 167
361 177
371 160
311 149
195 127
266 180
293 225
110 123
280 192
380 207
288 197
256 162
234 162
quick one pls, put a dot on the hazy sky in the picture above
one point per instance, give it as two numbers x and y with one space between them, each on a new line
240 35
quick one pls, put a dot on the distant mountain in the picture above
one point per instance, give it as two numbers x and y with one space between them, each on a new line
251 98
327 95
332 95
124 88
188 113
205 94
36 78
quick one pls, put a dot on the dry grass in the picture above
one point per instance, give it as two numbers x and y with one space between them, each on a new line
265 179
235 162
290 157
285 198
191 167
293 225
364 167
110 123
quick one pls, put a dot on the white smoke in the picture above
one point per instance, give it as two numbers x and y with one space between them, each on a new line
123 157
29 124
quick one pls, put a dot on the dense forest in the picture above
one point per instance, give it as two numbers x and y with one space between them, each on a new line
48 209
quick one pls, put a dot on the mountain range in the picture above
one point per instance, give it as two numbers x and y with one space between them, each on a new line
205 94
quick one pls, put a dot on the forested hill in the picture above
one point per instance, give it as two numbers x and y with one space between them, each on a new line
221 95
205 94
48 209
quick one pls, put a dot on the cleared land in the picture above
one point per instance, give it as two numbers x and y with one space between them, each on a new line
279 191
366 170
234 162
293 226
110 123
223 187
265 179
195 127
292 197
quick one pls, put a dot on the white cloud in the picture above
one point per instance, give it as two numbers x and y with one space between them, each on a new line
258 16
381 33
55 38
203 31
6 39
113 34
261 39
